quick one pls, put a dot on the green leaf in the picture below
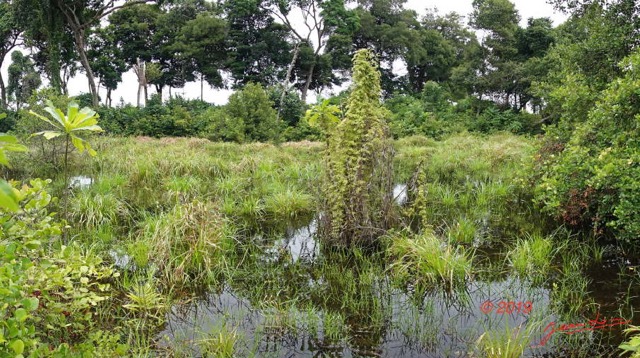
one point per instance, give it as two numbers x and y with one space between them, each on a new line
46 119
48 134
77 142
8 198
30 304
17 346
20 315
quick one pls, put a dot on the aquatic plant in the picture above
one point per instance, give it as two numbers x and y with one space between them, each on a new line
188 242
507 342
220 342
532 255
426 259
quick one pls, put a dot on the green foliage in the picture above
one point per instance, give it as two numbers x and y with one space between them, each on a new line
326 116
221 127
594 181
8 143
252 107
23 78
358 159
293 108
426 260
75 121
50 293
633 344
532 256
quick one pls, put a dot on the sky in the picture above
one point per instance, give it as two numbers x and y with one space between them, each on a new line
128 88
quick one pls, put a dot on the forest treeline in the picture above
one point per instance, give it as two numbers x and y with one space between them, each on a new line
576 82
452 79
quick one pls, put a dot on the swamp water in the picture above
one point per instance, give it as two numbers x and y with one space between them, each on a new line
291 299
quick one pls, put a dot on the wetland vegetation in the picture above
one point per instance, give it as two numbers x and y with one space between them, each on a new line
483 205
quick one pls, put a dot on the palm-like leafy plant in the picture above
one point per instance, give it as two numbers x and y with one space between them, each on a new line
76 121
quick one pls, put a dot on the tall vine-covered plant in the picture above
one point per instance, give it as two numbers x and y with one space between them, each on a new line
357 190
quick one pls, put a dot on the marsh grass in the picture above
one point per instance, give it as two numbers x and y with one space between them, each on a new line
467 181
188 242
194 216
427 259
93 210
464 231
220 342
507 342
532 255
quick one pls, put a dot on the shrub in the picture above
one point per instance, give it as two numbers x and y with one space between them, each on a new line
50 293
251 107
593 182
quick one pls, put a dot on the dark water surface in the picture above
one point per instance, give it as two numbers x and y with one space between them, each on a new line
390 321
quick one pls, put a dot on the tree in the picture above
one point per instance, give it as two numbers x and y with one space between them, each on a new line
80 17
10 38
322 19
499 18
257 45
251 106
107 61
203 41
467 52
389 31
357 189
23 78
49 39
431 58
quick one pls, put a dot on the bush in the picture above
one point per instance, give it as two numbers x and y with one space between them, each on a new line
251 106
220 127
593 182
51 292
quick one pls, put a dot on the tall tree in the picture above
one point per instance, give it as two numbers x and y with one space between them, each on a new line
321 19
107 61
467 51
23 78
499 18
202 40
80 17
257 45
10 38
389 30
49 39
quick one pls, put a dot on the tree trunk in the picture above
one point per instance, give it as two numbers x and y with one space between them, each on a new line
108 101
140 70
307 84
202 88
159 90
80 47
146 94
3 90
285 85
